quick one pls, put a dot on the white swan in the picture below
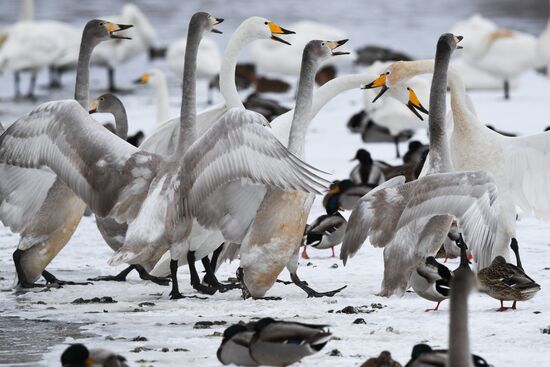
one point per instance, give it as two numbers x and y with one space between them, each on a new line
543 46
36 203
500 52
411 220
208 65
519 164
279 59
156 196
143 37
157 80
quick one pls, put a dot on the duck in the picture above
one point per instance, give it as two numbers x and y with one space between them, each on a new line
507 282
519 173
30 196
282 343
157 80
144 36
344 194
273 58
208 65
268 107
383 360
374 133
326 231
368 172
417 215
78 355
235 345
368 55
145 188
458 354
431 281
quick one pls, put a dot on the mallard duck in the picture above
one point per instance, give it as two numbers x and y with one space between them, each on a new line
77 355
423 353
383 360
507 282
325 232
431 281
368 172
281 343
235 344
344 194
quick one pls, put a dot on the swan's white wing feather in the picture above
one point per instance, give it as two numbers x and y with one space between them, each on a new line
371 217
22 193
93 162
528 164
239 148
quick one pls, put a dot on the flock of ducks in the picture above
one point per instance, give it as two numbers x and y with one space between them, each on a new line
225 182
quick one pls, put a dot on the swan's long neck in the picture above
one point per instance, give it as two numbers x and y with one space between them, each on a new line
228 88
161 96
301 118
188 114
459 340
82 86
121 120
440 159
27 11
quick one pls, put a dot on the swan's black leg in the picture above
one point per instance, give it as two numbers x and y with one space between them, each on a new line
506 89
211 279
175 293
143 274
51 279
21 277
396 142
111 79
195 280
17 84
32 85
311 292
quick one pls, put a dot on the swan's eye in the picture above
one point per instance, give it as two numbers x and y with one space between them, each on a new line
323 44
102 24
101 99
387 73
266 23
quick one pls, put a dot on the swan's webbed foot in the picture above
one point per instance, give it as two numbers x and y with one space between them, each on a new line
211 279
120 277
143 274
53 281
311 292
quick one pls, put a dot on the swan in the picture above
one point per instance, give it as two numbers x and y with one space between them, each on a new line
113 232
208 65
157 80
156 196
518 164
411 220
277 59
113 54
502 53
391 114
458 354
36 203
543 46
273 240
79 355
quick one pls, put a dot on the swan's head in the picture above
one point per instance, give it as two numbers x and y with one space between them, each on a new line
261 28
322 50
205 22
448 42
97 30
106 103
395 77
152 77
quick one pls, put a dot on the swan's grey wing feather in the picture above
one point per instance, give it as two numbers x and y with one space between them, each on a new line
164 139
468 196
373 215
237 148
22 193
92 161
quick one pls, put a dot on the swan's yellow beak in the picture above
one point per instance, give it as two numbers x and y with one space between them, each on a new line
213 22
93 106
144 79
377 83
414 104
114 27
276 29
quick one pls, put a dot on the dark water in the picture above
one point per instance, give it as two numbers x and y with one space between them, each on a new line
22 342
411 25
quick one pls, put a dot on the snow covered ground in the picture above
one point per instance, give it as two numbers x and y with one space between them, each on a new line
511 338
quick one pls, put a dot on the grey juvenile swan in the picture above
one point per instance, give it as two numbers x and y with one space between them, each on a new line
36 203
157 196
411 220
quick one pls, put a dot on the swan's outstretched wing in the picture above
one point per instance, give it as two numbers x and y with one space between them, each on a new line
102 169
164 139
238 148
22 193
528 161
373 215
